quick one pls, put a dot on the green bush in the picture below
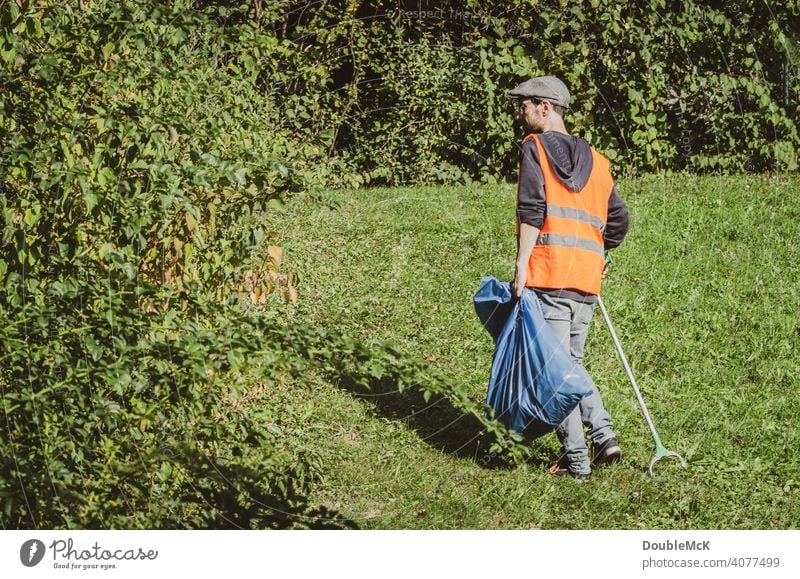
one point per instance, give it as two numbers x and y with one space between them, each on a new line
416 92
123 419
131 162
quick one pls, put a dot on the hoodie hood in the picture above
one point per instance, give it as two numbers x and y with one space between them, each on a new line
569 156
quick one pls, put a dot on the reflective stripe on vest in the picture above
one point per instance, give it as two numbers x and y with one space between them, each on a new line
569 251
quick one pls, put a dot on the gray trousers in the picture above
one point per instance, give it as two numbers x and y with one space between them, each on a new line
569 321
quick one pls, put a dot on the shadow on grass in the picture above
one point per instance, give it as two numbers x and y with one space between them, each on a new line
373 371
235 497
438 422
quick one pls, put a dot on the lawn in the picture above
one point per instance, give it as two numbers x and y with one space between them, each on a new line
705 296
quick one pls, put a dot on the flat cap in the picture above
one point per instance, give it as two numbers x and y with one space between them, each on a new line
546 88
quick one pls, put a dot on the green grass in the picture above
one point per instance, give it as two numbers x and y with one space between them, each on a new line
704 296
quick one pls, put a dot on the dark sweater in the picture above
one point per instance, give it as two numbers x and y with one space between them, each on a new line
571 160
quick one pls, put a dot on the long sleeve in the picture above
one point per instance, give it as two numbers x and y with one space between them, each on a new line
618 220
531 205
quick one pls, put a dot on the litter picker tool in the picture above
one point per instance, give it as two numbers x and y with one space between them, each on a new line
661 450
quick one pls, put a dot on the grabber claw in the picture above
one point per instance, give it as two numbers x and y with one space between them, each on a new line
664 453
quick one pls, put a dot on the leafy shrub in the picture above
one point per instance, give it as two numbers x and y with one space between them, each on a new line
119 418
416 92
130 163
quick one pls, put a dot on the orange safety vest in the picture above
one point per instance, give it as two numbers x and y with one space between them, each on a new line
569 251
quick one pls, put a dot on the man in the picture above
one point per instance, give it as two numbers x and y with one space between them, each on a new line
568 213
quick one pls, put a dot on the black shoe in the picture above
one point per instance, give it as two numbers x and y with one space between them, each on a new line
606 452
561 469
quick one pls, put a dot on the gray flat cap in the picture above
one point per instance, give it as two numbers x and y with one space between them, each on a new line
546 88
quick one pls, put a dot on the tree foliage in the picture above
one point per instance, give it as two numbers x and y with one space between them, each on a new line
415 91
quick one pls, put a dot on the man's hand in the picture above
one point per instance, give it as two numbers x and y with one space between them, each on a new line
606 265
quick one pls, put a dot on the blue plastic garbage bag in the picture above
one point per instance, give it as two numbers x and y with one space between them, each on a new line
534 384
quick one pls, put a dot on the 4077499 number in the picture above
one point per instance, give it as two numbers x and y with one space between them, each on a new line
754 562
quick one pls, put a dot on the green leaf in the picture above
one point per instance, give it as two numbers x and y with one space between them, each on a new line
90 199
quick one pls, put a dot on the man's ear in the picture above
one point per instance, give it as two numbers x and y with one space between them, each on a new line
546 108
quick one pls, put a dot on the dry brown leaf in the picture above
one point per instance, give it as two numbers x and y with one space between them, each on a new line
275 253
